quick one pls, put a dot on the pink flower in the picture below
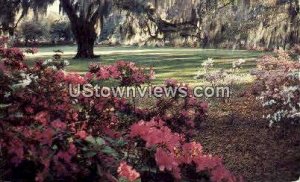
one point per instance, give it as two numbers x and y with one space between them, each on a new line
128 172
204 106
155 133
171 82
89 76
220 174
190 151
57 124
74 79
42 117
103 73
29 109
81 134
165 160
115 73
45 137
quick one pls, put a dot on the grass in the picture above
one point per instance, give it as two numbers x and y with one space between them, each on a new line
177 63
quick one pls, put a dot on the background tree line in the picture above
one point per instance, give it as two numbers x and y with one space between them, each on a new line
33 32
205 23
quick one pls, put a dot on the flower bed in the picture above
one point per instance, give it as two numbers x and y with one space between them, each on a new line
46 135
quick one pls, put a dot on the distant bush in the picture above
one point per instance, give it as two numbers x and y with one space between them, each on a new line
60 31
34 31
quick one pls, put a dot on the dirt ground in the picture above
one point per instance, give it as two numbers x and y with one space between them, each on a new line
236 132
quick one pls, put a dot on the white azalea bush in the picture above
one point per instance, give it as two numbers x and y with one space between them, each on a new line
238 64
207 65
279 82
222 76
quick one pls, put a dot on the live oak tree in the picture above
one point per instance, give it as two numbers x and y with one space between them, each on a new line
12 12
86 18
212 23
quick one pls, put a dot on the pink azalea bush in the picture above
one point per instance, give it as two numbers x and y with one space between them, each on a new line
46 135
278 80
173 154
128 172
128 73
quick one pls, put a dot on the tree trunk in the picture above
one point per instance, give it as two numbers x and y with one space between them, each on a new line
85 37
85 46
83 28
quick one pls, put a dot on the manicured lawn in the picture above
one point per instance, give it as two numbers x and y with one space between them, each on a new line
177 63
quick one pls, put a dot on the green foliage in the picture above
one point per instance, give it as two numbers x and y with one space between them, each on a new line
13 11
61 30
34 31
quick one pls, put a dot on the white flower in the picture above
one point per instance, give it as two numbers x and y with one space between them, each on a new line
238 63
46 62
66 63
208 63
24 82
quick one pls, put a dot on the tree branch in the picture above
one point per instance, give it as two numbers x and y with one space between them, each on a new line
69 9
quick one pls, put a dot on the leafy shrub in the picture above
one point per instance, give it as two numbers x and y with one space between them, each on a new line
61 31
33 31
46 135
278 83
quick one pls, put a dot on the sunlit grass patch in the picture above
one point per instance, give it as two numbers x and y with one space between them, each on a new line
176 63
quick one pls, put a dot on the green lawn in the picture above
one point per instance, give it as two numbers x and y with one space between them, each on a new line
178 63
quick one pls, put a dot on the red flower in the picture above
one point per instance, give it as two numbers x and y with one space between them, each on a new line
127 172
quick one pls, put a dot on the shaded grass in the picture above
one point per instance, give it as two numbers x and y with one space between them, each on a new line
177 63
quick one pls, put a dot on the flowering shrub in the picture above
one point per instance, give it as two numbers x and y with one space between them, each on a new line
46 135
222 76
208 64
174 155
128 73
43 127
279 82
182 114
238 64
127 172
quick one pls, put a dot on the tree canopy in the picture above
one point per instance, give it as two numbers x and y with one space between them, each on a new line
191 19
